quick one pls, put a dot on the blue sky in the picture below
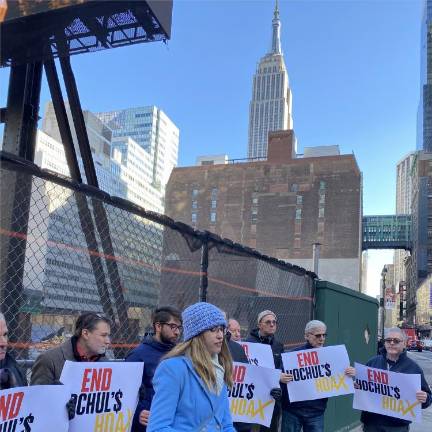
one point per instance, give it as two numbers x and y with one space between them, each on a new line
353 67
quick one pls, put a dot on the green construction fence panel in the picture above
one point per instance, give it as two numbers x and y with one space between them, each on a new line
352 320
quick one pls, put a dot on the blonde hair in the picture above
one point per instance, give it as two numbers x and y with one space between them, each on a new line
196 350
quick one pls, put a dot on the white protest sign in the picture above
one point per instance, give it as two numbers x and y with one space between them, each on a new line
249 398
318 373
390 393
106 394
258 354
35 409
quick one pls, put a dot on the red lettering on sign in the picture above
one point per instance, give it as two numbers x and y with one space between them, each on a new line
239 373
246 350
377 376
307 358
100 380
10 405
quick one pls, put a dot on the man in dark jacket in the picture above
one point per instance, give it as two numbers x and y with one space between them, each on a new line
265 334
167 325
394 358
89 343
307 415
10 373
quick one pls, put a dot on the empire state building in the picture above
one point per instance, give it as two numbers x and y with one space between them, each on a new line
270 107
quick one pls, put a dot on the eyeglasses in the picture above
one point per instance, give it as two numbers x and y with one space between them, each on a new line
319 335
395 341
173 327
218 329
270 322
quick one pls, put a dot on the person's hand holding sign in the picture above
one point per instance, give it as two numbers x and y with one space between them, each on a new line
350 371
144 417
285 378
421 396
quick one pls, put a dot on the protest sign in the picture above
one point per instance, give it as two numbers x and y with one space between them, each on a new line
34 409
318 373
258 354
249 397
390 393
106 394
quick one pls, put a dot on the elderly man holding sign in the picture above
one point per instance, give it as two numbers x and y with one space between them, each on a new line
393 358
313 373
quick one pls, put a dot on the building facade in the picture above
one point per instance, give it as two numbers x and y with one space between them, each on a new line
403 206
271 104
280 206
154 131
424 114
421 207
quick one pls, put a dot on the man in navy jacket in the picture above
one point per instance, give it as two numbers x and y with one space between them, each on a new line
307 415
395 359
167 325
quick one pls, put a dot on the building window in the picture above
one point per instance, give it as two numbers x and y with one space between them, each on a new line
294 187
321 212
214 193
255 201
299 199
322 184
212 217
322 199
298 213
194 204
213 204
194 192
194 217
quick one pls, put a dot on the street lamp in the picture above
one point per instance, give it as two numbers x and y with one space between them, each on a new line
383 287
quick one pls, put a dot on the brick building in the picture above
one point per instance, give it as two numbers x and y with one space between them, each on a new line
280 206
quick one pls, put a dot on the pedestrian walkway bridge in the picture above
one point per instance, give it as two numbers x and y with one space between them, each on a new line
387 232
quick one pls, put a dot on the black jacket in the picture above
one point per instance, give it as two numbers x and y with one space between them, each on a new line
310 408
276 346
150 352
403 365
11 374
238 355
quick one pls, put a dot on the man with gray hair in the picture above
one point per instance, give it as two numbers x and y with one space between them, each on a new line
10 374
393 357
307 415
265 334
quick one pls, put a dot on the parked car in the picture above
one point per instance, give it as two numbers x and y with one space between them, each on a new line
415 345
427 344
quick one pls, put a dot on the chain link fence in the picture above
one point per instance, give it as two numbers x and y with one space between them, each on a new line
67 248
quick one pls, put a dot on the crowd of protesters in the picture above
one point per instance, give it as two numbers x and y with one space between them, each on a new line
184 383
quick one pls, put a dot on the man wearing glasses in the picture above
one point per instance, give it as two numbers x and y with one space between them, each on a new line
167 326
265 334
393 357
307 415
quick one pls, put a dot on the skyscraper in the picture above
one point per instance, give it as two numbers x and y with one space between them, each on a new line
270 107
153 130
424 114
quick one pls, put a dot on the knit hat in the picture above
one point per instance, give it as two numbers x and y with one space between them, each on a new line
200 317
262 314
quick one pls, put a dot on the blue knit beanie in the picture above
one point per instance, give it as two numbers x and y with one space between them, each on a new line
200 317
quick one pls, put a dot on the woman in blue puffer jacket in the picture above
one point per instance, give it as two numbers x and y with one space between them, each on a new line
191 383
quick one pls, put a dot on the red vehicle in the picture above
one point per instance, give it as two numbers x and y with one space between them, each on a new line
415 345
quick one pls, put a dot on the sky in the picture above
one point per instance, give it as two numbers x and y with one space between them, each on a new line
353 68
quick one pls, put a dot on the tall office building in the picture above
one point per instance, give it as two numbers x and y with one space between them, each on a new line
270 107
424 114
151 129
403 206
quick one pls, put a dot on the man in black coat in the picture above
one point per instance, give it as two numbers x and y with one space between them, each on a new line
265 334
10 373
